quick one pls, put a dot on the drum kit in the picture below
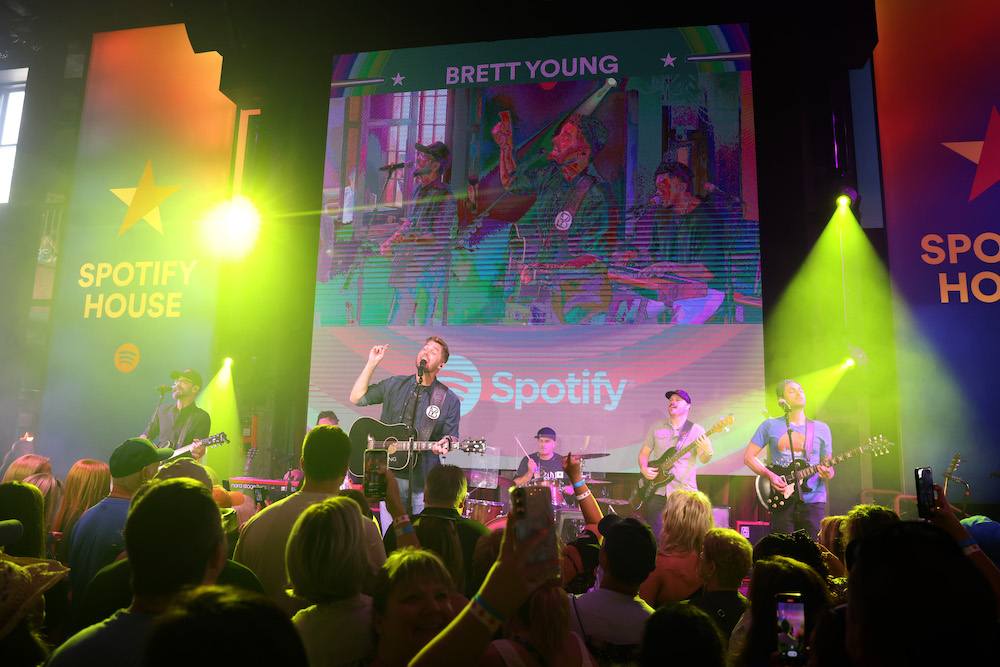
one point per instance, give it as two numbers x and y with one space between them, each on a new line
490 506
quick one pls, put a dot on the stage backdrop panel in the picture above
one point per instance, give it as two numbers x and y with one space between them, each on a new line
940 134
588 351
599 388
136 291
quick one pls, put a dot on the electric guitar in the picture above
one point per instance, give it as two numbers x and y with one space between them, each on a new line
771 499
215 440
369 433
645 487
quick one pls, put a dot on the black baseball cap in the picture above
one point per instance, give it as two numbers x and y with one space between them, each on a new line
545 432
630 547
437 150
135 454
680 392
194 376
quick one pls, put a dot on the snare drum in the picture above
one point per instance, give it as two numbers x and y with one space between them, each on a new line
483 511
555 489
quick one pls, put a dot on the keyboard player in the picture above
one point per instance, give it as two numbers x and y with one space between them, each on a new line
682 237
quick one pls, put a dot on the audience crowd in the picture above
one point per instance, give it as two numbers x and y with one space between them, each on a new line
128 563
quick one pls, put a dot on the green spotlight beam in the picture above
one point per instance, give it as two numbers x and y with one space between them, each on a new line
219 400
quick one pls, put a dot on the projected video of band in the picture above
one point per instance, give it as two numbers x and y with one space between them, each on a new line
525 186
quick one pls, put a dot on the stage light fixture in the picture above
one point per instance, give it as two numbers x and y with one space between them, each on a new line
228 361
231 228
846 197
856 357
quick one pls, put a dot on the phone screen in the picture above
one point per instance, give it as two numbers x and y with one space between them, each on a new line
925 491
376 463
791 628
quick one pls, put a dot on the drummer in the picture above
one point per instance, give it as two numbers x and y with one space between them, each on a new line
545 468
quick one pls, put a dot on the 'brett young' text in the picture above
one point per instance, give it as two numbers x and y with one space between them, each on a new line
548 69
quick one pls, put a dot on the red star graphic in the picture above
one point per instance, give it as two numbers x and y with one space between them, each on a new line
986 155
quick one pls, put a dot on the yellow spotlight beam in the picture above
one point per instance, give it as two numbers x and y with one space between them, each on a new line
218 398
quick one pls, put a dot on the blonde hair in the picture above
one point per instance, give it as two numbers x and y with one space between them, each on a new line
24 466
52 492
326 557
546 615
731 553
686 518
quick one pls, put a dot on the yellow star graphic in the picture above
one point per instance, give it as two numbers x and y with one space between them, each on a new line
144 201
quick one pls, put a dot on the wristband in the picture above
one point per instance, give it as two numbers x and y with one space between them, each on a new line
971 549
577 485
581 496
401 519
969 541
486 614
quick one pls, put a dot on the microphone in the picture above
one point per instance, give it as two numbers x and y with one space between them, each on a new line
394 167
784 405
162 389
421 368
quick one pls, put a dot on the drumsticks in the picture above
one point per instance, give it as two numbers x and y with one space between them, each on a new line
518 440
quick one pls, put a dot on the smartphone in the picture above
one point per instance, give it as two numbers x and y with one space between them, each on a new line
532 507
374 483
925 491
791 628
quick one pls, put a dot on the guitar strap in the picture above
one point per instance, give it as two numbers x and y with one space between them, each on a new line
685 430
810 432
437 398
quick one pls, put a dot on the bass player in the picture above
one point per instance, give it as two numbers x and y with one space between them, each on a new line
811 443
674 432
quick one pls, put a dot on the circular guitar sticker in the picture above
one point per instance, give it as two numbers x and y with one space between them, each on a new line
433 412
564 220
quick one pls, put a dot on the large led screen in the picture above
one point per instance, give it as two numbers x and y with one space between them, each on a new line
575 216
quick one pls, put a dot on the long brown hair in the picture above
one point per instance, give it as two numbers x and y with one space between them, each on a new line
87 483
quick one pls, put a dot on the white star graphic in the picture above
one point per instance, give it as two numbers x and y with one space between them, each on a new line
669 60
398 79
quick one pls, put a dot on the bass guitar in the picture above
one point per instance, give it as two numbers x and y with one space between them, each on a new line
369 433
664 464
215 440
771 499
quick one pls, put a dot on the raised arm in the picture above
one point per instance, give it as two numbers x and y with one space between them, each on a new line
360 387
503 134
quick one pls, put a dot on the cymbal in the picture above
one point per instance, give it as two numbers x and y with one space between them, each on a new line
583 457
612 501
591 482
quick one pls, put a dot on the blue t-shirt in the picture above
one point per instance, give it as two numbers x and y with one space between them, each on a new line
772 434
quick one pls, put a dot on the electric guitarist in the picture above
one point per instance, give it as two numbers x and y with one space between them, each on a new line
181 422
673 432
418 400
811 444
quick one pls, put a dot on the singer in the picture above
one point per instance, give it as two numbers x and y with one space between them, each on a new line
181 422
419 401
421 247
564 238
811 444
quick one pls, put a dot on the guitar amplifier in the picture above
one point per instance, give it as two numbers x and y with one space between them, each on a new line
753 530
569 524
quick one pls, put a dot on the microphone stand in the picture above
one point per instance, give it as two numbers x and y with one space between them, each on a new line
791 447
411 460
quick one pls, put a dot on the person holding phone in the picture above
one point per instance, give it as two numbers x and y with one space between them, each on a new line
811 443
418 400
